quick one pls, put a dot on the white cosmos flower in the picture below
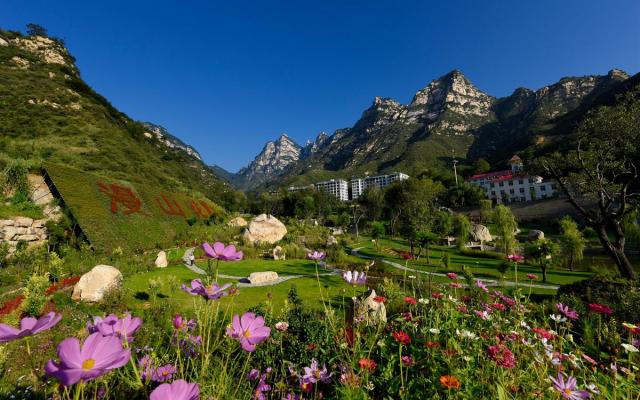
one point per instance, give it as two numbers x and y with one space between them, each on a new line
558 318
630 348
592 388
423 301
412 277
435 331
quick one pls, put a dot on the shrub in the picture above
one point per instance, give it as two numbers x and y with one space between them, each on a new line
622 295
34 294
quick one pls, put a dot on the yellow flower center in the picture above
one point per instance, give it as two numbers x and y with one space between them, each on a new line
568 391
247 334
88 364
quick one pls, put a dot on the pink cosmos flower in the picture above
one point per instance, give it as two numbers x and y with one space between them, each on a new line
568 388
97 356
211 292
182 324
589 359
452 275
533 277
282 326
316 255
482 286
567 312
249 330
220 252
515 258
28 326
502 356
124 327
455 285
314 373
178 390
600 309
164 373
355 277
407 361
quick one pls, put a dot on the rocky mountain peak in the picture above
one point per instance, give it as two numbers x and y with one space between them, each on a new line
169 140
617 74
274 158
313 146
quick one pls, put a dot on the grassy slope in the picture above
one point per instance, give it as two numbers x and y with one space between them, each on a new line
96 137
106 230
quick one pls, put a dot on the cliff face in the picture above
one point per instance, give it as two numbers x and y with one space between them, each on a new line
275 157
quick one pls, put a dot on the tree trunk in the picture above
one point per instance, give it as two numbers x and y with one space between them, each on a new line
616 251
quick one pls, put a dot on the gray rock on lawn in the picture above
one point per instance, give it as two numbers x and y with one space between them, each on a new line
161 260
237 222
367 310
262 277
265 229
278 253
93 285
480 233
332 241
535 235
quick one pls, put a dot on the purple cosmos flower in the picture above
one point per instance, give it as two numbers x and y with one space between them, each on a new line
313 373
315 255
181 324
28 326
220 252
178 390
164 373
249 330
355 277
482 286
568 388
262 386
211 292
145 365
124 327
95 357
566 311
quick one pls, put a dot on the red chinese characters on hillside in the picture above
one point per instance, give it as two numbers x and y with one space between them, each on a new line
121 195
124 199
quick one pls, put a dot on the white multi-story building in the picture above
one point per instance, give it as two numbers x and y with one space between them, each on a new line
514 185
338 188
359 185
300 188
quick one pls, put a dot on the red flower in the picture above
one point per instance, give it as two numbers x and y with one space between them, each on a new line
10 306
379 299
311 346
436 295
502 356
450 382
410 300
449 352
432 345
543 333
463 309
498 306
452 275
600 309
350 337
407 360
407 316
367 364
406 255
401 337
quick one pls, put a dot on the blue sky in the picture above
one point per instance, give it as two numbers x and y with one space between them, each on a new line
228 76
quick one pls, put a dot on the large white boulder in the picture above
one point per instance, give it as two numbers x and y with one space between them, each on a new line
93 285
265 229
161 260
366 309
262 277
480 233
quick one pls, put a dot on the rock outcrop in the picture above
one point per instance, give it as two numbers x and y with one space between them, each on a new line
480 233
264 229
161 260
369 311
275 157
257 278
238 222
93 285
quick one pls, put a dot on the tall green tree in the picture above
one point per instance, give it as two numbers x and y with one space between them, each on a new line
572 242
36 30
377 231
603 165
462 229
541 253
506 224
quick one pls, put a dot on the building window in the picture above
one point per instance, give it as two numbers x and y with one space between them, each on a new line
520 181
510 183
512 191
501 184
543 188
523 199
521 190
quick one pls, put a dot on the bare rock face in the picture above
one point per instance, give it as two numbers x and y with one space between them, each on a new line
274 158
265 229
262 277
93 285
238 222
535 235
3 42
368 310
278 253
480 233
161 260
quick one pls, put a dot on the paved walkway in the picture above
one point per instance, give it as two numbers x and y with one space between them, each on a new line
242 280
488 282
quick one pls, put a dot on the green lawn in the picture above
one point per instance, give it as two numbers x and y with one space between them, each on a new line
170 278
481 267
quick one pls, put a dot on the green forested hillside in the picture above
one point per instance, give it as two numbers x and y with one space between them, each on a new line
47 112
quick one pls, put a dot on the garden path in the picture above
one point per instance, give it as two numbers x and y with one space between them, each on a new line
488 282
243 282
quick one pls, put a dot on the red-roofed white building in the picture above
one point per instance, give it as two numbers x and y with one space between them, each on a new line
514 185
